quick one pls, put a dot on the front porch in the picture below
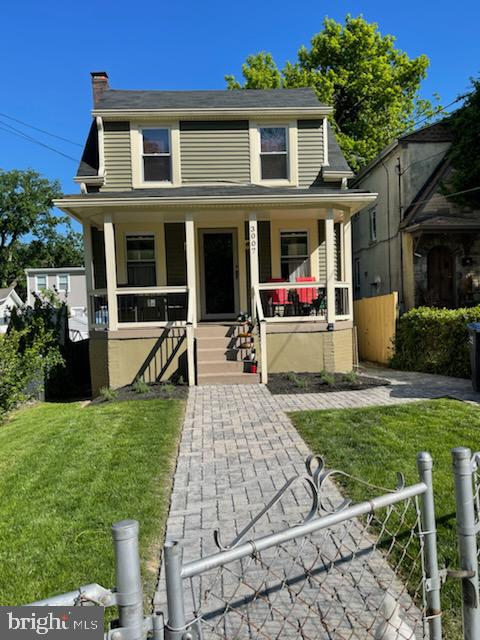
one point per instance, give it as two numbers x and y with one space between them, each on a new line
153 283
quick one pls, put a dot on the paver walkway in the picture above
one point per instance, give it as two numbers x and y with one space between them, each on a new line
238 448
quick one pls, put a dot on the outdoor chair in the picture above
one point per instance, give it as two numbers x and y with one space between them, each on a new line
306 296
279 298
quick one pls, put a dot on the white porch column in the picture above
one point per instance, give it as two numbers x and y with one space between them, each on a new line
330 265
253 247
111 272
347 259
191 266
88 257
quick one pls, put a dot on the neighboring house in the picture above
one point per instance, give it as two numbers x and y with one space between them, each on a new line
414 240
69 285
9 299
197 205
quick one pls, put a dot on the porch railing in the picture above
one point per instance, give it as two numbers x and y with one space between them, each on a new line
155 305
262 327
99 308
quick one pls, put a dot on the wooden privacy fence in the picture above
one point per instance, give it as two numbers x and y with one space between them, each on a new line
375 319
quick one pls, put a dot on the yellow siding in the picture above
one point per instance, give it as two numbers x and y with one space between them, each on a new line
310 155
212 156
375 319
118 169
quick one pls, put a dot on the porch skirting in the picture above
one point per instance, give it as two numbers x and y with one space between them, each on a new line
116 362
310 351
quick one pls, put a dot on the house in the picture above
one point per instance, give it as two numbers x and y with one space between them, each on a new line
9 299
199 205
414 240
69 284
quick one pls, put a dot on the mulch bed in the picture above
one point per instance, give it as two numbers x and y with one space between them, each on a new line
156 391
287 383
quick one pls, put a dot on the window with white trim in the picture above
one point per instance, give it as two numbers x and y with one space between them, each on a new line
41 282
273 153
62 282
156 155
141 271
294 257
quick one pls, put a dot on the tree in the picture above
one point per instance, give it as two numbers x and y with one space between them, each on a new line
372 86
29 231
464 151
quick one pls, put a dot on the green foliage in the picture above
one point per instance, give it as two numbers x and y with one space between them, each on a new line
26 200
327 378
464 151
140 386
350 376
168 389
298 381
26 357
372 86
108 394
434 341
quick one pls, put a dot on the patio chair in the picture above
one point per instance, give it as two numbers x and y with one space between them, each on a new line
279 298
306 295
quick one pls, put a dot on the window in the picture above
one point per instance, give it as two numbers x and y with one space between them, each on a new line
356 274
373 225
41 282
141 270
273 153
294 258
157 157
62 282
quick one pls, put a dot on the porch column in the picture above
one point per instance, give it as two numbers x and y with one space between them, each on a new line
253 246
111 272
191 266
88 257
347 259
330 265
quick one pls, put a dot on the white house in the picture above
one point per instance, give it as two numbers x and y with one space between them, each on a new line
9 299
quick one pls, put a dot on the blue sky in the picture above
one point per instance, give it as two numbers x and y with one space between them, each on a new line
49 48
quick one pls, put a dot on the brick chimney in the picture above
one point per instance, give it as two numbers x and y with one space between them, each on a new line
99 84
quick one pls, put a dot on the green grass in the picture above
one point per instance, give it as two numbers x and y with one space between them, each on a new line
66 474
376 442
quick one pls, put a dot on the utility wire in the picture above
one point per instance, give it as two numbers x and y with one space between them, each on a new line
441 195
48 133
438 110
20 134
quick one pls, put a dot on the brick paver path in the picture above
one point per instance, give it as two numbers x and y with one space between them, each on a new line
238 448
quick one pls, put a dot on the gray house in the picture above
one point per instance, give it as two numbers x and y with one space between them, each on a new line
70 285
413 239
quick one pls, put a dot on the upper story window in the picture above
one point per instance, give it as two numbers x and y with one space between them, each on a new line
62 282
41 281
273 153
157 156
373 224
294 258
141 270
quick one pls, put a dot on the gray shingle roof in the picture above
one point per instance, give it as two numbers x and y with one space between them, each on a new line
215 191
89 163
336 160
219 99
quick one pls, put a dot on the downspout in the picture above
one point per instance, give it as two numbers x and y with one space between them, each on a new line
400 218
388 227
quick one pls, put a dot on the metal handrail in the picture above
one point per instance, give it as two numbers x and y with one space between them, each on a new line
124 291
258 304
190 303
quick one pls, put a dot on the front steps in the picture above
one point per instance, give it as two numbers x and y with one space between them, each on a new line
220 356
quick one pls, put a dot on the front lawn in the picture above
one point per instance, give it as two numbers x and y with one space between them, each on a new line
66 474
376 442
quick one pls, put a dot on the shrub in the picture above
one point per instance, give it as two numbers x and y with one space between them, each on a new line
327 378
434 341
108 394
26 357
140 386
350 376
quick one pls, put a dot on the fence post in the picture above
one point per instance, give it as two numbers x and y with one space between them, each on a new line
429 529
467 540
129 591
175 629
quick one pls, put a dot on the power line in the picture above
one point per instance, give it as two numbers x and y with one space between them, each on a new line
20 134
415 123
48 133
441 195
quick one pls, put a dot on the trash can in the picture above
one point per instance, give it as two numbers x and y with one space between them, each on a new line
474 343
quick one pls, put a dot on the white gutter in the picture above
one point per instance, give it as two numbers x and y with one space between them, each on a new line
199 114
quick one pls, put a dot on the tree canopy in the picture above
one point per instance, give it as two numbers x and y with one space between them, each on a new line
31 235
372 86
464 154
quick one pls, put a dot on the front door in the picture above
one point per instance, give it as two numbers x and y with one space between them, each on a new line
219 273
440 277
